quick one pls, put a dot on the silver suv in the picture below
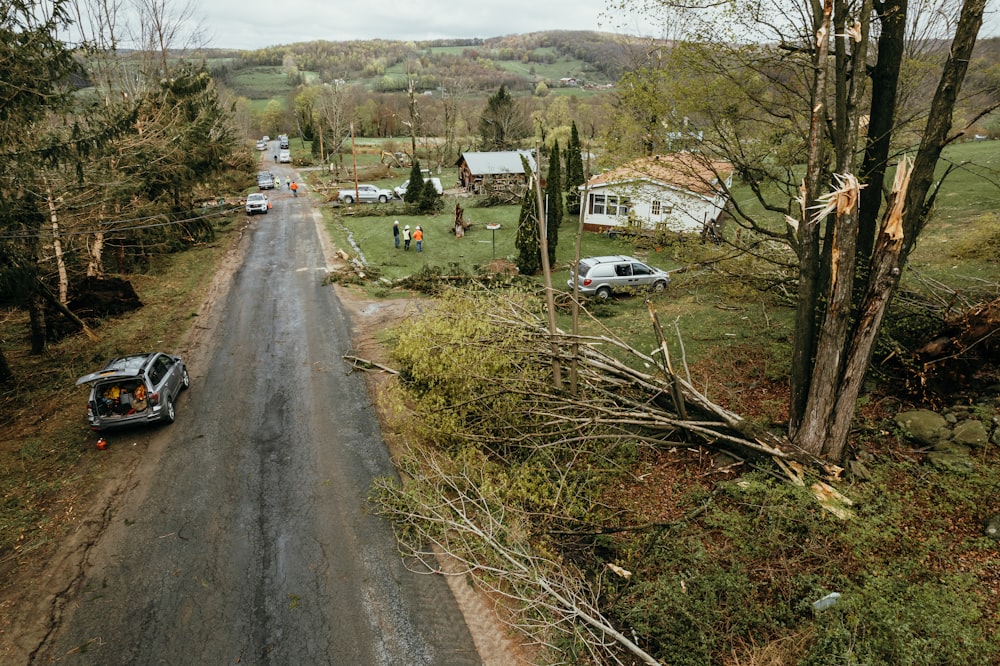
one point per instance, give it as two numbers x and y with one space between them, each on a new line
140 388
603 276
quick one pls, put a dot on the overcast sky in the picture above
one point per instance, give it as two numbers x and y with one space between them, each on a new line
253 24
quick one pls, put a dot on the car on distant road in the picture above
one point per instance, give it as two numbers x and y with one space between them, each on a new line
285 156
257 203
265 181
262 145
603 276
265 138
283 142
135 389
365 194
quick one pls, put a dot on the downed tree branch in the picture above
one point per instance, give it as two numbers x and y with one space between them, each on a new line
364 364
455 516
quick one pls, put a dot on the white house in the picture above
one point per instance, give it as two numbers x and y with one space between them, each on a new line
679 192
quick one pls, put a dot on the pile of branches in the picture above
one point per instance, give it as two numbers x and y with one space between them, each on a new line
942 342
483 379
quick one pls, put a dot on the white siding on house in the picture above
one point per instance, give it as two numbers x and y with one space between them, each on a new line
650 206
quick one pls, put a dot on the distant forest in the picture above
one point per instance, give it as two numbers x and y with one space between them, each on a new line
477 65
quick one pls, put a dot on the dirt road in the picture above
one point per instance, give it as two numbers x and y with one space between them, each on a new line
243 535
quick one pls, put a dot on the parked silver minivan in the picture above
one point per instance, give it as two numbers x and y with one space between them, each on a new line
603 276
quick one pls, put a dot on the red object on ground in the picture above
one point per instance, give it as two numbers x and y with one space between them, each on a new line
102 444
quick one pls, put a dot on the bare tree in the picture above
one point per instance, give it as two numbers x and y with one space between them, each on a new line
776 85
162 26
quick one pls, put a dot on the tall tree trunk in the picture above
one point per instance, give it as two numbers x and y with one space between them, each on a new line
57 244
842 354
36 319
939 121
881 119
809 233
884 277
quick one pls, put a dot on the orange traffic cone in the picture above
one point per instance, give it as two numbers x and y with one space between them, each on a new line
102 443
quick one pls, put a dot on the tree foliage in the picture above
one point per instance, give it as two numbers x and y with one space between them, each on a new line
528 241
503 122
84 171
553 202
574 172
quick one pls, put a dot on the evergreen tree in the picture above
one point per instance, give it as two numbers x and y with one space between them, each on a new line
553 203
38 69
503 122
414 188
528 241
430 200
574 172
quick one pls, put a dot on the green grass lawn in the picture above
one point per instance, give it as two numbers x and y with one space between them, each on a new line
709 313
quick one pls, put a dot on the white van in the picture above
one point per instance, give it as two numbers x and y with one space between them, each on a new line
602 276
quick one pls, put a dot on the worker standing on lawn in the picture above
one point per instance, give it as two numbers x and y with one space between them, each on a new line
418 236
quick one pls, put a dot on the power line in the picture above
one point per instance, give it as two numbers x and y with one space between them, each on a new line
110 226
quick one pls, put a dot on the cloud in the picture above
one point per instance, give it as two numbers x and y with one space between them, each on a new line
253 24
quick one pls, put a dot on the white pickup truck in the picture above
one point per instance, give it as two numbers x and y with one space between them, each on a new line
365 194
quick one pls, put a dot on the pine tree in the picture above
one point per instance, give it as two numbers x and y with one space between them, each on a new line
503 122
528 241
413 188
430 200
553 203
574 172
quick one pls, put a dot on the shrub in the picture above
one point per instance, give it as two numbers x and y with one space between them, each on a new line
890 620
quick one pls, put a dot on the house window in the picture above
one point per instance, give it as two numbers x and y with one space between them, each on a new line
654 207
597 203
609 204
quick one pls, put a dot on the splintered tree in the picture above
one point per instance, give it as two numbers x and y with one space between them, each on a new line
37 68
791 112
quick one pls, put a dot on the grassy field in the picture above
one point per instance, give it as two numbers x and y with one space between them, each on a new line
708 313
262 83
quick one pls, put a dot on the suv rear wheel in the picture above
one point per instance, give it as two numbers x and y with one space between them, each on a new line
348 200
169 413
604 293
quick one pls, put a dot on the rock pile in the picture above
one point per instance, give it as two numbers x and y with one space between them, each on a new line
953 439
